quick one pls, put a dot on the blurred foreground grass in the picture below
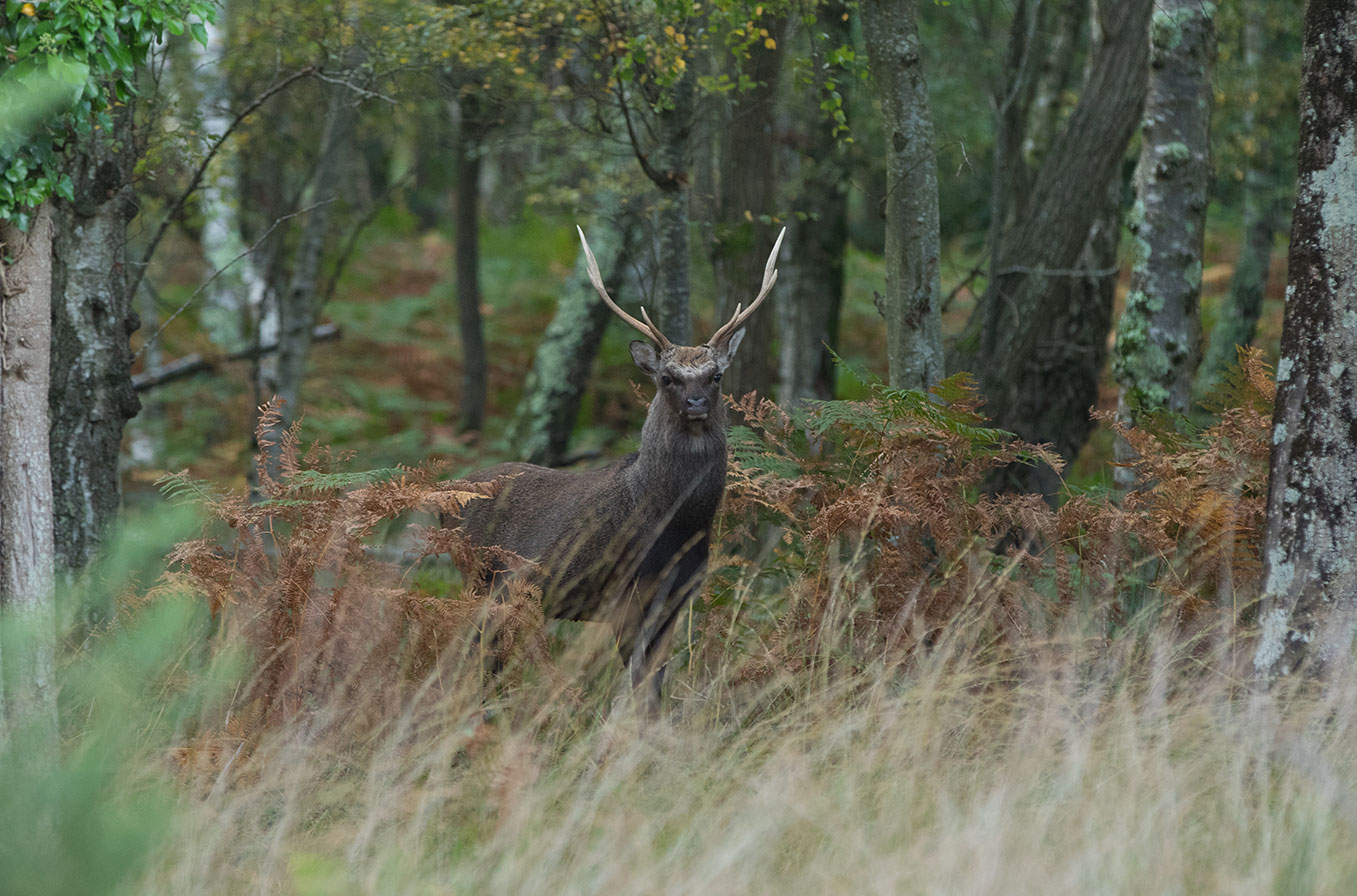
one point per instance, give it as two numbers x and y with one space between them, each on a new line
1071 765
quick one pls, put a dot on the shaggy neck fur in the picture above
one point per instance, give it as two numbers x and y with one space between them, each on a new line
682 464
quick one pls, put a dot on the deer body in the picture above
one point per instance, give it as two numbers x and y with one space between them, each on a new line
627 544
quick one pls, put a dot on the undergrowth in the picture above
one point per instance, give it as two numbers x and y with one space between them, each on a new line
894 682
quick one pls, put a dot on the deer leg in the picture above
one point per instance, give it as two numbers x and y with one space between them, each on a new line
646 652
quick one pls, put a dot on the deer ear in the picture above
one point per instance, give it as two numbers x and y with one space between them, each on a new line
726 352
643 353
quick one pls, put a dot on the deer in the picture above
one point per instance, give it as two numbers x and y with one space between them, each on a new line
626 544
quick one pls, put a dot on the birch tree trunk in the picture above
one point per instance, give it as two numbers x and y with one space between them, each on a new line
913 252
28 698
92 397
1159 333
1310 539
234 293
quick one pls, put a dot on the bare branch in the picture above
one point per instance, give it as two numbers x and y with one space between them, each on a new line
202 168
217 273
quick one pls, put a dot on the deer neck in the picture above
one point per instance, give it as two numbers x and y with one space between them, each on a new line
682 463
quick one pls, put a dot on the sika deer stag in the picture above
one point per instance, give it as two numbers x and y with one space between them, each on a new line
626 544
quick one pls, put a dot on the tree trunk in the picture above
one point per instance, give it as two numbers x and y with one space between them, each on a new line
1062 21
546 416
1159 333
1032 338
817 234
1238 319
1310 539
298 304
28 699
233 296
92 397
673 309
913 253
745 199
466 225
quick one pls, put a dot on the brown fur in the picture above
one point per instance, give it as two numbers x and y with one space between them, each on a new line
625 544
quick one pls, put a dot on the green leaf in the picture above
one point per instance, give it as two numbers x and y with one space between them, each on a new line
199 32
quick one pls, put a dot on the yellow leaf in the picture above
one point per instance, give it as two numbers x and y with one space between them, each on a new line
770 44
29 10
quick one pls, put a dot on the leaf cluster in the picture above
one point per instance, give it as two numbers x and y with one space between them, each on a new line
67 64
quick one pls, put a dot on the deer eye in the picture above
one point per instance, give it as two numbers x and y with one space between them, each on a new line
716 378
666 380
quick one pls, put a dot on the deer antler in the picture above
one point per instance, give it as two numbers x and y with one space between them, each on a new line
739 317
648 327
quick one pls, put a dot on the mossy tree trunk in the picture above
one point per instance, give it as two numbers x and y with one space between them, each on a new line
1310 539
673 293
1158 336
552 393
912 302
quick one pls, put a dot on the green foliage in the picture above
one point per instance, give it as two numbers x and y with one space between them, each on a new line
92 818
69 63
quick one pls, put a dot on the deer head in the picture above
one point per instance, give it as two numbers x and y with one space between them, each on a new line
688 378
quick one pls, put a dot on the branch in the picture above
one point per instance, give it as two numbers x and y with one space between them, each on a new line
202 169
217 273
664 180
189 365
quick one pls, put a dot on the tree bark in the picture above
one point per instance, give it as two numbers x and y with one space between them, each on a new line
546 416
1037 348
466 226
746 198
92 396
298 304
812 297
1159 334
673 298
913 252
1310 539
27 667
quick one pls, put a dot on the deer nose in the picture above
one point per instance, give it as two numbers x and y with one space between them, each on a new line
696 406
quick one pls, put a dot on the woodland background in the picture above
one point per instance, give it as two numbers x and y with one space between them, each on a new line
985 610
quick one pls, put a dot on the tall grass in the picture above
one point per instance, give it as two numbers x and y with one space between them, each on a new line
1083 766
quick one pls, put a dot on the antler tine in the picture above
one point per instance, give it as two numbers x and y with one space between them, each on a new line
648 328
739 317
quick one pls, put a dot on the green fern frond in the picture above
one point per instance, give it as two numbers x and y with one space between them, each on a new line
317 481
181 488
